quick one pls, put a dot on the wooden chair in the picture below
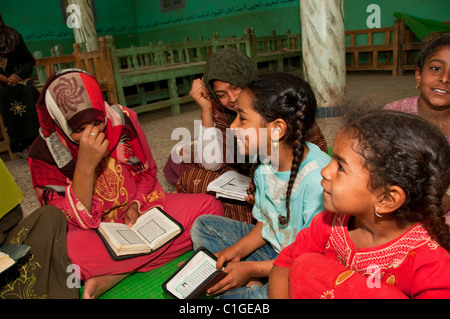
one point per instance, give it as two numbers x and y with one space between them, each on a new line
410 47
388 49
97 63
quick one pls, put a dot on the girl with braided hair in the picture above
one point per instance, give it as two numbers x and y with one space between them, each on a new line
279 109
226 72
383 233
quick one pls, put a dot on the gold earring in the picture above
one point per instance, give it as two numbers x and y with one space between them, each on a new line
275 142
417 86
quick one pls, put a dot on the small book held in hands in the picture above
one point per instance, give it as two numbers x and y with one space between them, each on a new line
151 231
230 185
195 276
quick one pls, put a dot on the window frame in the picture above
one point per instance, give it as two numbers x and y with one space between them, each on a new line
172 6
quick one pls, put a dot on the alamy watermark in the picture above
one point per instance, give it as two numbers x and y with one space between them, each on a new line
374 278
73 16
374 19
73 280
208 146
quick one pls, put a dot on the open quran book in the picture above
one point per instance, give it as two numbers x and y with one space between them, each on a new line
195 276
151 231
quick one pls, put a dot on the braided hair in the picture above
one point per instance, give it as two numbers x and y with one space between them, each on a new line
407 151
282 95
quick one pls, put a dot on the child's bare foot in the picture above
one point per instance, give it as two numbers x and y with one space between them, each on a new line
96 286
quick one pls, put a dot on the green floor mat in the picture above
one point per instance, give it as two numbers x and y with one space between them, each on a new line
145 285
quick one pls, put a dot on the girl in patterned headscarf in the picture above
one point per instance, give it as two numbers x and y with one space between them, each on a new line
92 161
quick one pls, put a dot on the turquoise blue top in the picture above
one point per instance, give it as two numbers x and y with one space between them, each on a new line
306 198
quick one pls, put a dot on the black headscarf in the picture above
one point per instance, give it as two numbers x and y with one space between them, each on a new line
9 38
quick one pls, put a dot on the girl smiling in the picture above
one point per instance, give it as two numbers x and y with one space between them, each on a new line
286 198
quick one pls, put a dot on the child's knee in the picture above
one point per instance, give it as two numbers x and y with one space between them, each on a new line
199 231
199 224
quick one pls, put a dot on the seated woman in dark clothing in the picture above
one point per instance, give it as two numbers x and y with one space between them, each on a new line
18 95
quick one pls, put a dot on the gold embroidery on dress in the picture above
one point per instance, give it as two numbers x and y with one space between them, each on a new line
109 181
22 286
329 294
20 234
155 195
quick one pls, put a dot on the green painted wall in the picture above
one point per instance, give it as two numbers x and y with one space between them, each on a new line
139 22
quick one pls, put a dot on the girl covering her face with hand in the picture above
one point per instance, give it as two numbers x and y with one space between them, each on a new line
383 233
286 197
92 161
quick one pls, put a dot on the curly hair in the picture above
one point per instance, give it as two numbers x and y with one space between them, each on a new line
407 151
282 95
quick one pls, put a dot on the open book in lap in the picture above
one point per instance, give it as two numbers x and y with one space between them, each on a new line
195 276
151 231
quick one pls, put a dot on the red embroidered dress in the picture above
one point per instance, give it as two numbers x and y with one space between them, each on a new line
413 262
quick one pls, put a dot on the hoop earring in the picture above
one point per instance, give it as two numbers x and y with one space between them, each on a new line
377 214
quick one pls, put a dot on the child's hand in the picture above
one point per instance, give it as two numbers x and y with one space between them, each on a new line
93 147
200 94
230 254
131 215
13 80
251 196
238 275
250 199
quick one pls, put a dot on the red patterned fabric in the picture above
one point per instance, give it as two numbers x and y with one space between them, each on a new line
70 99
331 280
413 262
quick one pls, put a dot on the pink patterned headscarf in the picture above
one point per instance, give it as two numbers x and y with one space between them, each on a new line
72 98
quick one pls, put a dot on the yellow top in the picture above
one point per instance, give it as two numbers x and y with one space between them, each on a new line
10 193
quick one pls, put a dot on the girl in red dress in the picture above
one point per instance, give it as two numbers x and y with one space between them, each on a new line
383 232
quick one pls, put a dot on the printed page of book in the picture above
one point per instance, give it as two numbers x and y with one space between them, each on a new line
5 261
122 239
193 274
156 228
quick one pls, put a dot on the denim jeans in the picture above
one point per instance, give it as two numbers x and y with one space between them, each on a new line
216 233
